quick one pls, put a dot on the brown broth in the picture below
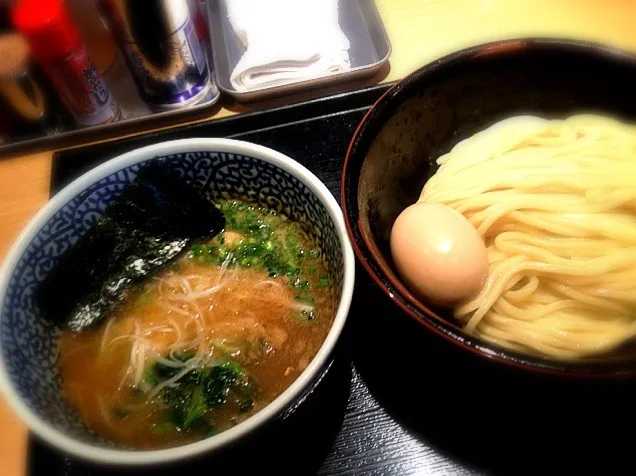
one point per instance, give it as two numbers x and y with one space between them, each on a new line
251 318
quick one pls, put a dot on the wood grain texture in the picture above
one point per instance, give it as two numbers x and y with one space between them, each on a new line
13 440
24 188
420 31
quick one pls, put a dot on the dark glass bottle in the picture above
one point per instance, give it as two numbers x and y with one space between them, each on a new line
28 102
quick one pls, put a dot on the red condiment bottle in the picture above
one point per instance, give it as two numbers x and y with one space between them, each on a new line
55 44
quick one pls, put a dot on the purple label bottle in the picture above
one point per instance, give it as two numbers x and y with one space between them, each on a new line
162 50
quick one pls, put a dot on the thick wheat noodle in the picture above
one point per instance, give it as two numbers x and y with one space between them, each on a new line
555 202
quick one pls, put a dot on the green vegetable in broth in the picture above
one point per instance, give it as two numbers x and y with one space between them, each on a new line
262 238
210 340
198 391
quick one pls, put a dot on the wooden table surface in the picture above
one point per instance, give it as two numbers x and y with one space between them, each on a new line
420 30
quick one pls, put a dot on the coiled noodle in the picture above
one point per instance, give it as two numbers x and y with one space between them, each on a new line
555 202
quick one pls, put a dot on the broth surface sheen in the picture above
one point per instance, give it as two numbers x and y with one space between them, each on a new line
209 341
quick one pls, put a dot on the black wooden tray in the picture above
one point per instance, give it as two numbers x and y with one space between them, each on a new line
396 400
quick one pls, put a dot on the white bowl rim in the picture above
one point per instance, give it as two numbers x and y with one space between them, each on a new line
104 455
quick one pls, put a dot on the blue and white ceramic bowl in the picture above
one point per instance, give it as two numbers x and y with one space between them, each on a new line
220 168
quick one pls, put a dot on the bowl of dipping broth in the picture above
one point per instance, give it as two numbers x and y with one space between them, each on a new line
173 300
490 195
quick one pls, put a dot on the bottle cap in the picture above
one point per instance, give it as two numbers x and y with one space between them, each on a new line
47 27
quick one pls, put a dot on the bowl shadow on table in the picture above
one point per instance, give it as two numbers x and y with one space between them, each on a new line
296 444
491 418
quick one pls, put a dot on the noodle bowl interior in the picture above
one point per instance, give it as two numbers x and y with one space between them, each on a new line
207 342
554 203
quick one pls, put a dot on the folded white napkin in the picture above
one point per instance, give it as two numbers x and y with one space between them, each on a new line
286 41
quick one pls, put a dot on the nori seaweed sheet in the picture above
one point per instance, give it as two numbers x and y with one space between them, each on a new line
155 219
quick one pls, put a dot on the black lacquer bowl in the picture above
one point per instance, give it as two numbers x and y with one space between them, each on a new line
394 149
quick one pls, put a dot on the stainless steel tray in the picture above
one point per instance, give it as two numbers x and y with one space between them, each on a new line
136 115
360 21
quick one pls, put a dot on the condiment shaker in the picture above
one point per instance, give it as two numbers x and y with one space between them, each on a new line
55 44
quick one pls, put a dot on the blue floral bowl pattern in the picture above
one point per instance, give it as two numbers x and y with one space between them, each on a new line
28 343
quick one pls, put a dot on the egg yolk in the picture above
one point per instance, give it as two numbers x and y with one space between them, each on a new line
438 253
